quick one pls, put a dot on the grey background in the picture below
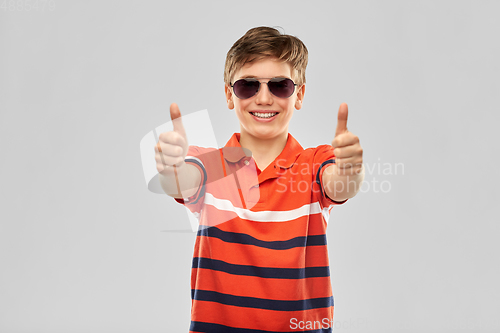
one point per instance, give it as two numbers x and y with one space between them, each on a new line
83 245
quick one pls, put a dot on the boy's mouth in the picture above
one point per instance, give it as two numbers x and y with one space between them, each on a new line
264 115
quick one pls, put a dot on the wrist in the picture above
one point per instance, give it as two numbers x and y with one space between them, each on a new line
340 185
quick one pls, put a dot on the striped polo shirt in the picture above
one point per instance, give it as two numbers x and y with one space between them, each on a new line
260 260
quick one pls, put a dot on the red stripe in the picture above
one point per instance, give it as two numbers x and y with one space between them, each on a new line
242 254
251 286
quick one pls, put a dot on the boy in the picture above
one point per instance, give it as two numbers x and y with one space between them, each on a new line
260 262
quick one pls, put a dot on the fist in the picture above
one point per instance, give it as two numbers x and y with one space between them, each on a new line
346 147
172 147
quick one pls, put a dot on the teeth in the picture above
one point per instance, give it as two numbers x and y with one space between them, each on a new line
264 115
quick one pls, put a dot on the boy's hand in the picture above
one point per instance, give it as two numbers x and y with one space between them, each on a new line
347 150
172 146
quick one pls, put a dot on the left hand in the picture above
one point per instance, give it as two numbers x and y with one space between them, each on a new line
346 147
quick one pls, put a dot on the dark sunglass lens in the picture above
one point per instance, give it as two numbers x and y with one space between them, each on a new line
246 88
282 88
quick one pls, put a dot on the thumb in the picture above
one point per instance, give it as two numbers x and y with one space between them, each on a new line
175 115
341 120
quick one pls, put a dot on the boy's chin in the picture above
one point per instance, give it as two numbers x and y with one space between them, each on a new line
266 135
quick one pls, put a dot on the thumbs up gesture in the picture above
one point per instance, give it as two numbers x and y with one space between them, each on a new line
346 147
172 146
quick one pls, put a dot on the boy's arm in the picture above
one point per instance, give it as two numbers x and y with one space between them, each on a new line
177 178
343 179
181 182
340 187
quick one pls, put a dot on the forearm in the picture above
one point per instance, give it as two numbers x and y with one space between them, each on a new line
340 187
182 182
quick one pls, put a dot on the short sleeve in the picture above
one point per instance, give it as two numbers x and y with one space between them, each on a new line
323 157
195 202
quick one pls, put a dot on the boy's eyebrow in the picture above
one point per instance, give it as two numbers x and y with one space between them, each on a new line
253 76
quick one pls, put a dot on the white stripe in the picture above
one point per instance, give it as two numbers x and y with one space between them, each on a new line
266 215
326 212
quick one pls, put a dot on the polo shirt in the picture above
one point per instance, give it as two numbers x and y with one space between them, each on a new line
260 261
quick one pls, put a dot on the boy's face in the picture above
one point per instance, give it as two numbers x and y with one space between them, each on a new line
264 101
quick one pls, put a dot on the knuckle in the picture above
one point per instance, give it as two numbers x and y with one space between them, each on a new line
163 137
168 137
176 137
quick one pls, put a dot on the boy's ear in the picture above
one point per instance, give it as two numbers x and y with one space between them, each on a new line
300 96
229 96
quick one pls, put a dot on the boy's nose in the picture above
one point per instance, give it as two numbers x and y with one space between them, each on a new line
264 96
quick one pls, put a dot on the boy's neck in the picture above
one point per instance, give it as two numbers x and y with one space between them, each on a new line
264 151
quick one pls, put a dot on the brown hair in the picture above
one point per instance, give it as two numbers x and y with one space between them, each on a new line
263 42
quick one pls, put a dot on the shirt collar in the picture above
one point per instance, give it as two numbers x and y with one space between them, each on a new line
284 160
233 151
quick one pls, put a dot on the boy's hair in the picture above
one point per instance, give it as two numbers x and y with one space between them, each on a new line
262 42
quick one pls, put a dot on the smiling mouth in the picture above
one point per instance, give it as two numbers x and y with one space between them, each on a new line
264 115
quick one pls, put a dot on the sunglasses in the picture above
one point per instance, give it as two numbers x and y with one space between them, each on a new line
281 87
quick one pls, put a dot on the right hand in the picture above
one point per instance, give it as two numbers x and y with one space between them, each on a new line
173 145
